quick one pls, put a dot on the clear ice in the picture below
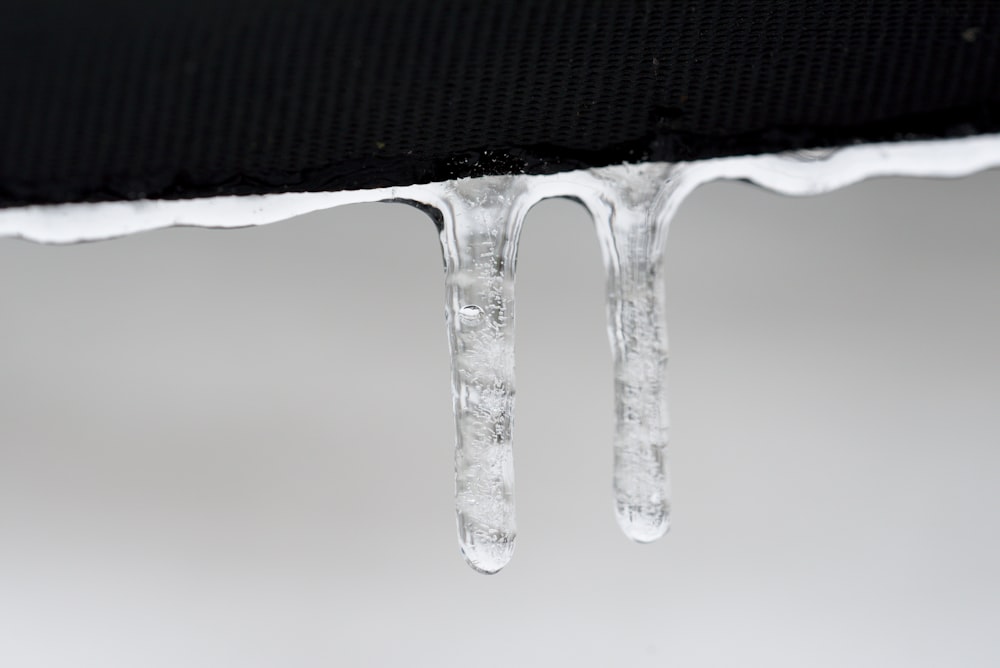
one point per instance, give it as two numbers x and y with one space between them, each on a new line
480 225
633 237
479 222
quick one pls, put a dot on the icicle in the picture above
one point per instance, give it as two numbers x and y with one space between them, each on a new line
480 225
633 239
480 221
480 229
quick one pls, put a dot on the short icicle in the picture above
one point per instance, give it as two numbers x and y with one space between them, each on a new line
480 228
633 236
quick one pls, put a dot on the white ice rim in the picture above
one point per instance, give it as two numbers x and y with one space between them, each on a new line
797 173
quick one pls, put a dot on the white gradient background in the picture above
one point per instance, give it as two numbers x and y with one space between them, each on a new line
233 448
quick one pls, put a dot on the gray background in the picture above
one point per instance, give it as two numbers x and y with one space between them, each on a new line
233 448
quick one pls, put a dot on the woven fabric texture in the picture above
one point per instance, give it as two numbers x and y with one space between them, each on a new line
114 99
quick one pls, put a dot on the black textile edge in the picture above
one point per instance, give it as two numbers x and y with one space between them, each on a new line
378 171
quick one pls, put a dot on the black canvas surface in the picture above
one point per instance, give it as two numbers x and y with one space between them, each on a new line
107 99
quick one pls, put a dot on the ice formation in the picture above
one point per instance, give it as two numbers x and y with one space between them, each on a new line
479 221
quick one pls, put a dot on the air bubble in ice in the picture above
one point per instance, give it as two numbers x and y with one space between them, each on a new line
471 314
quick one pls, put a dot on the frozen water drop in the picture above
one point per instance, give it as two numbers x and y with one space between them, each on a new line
484 552
644 524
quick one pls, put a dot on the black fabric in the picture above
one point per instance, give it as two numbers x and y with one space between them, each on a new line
108 99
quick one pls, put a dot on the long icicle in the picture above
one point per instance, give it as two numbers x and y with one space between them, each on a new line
480 229
633 239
